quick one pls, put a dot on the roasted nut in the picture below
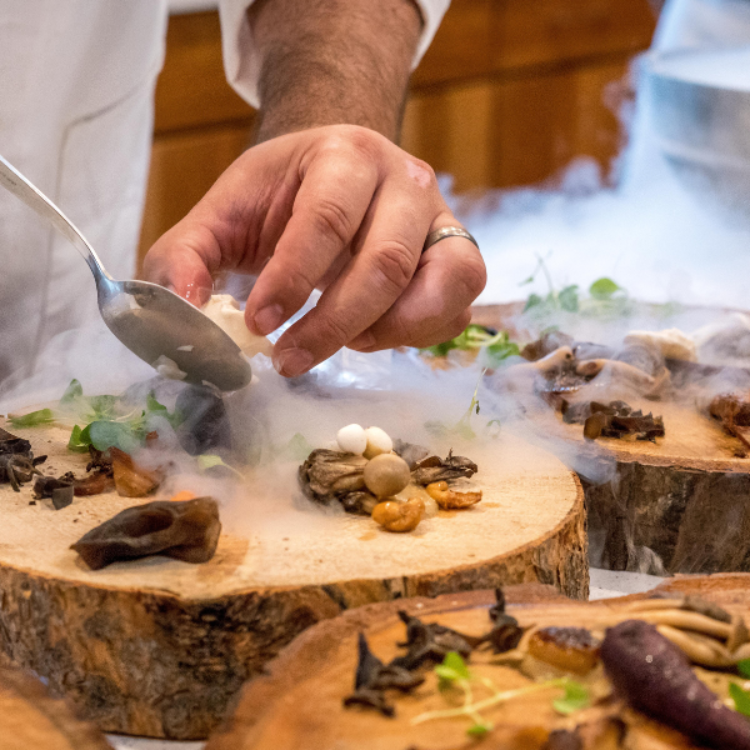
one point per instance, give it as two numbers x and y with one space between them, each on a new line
395 516
450 499
386 475
570 649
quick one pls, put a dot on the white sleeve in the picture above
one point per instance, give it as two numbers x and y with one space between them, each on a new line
241 60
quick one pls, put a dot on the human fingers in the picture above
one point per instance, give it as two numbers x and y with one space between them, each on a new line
446 333
450 276
391 240
181 260
336 190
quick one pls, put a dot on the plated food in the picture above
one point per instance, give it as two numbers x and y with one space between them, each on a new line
664 671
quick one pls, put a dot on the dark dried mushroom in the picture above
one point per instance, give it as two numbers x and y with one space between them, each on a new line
562 739
654 676
410 452
328 475
615 419
360 502
373 677
546 344
17 462
187 530
434 469
60 490
506 633
733 412
431 642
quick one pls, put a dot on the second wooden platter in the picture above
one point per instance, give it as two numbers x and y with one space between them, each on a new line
675 506
159 647
298 704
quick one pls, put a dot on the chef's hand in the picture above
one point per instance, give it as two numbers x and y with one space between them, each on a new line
338 208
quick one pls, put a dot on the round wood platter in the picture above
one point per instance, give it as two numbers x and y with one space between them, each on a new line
30 718
297 705
679 505
158 647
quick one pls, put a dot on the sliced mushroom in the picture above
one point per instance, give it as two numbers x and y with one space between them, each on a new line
700 650
685 620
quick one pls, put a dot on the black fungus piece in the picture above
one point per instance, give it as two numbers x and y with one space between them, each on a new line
373 677
431 642
17 462
410 452
654 676
562 739
434 469
60 489
187 530
506 633
327 475
101 461
204 425
615 419
648 359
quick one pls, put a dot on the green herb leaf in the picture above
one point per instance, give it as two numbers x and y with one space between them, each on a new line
604 288
120 435
479 729
576 697
453 668
534 300
297 448
34 418
743 667
102 407
740 697
568 298
80 440
210 460
72 392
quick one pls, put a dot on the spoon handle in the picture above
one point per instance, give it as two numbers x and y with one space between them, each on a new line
13 181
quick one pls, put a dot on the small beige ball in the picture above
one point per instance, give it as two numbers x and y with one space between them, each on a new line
386 474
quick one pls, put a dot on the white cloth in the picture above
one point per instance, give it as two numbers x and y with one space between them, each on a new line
76 114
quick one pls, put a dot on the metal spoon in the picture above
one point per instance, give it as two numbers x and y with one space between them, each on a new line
149 319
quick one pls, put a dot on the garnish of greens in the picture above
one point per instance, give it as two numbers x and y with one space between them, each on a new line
495 346
453 673
605 297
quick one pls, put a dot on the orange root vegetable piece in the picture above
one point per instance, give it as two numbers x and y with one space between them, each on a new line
182 495
569 649
132 480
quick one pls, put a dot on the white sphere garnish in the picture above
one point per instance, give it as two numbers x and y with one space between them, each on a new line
352 439
378 441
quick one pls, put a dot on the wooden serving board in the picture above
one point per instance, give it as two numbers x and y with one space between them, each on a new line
297 705
158 647
682 499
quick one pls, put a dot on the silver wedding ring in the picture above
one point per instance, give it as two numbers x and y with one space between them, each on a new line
443 232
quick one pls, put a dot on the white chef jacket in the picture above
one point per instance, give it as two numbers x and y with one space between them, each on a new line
77 80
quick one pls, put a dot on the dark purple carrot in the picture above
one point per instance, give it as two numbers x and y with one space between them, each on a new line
653 675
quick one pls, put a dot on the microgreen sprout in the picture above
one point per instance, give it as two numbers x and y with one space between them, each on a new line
740 697
453 672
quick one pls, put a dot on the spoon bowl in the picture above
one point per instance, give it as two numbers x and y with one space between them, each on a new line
154 323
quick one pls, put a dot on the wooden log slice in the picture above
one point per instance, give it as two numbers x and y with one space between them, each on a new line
297 705
158 647
679 505
30 718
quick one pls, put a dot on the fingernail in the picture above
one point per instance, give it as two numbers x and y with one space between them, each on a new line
363 342
293 362
269 319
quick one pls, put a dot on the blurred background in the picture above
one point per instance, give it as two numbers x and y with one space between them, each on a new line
509 94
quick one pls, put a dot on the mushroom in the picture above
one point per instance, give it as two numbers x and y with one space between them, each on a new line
672 343
399 517
386 474
450 499
700 650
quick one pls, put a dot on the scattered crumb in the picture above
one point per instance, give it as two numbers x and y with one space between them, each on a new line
32 502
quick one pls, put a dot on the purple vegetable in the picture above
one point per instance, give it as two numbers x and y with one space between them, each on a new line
655 676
